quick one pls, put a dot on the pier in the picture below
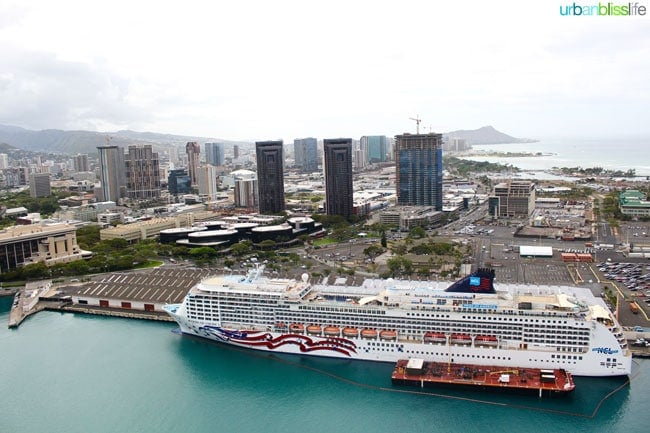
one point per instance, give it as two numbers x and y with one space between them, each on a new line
135 295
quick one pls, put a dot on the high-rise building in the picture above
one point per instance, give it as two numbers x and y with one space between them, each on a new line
270 176
178 182
39 185
235 151
376 147
246 193
337 155
14 177
359 156
81 162
418 161
193 151
111 172
214 153
4 161
142 173
514 198
305 152
208 181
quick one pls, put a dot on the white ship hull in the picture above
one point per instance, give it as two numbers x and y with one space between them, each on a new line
595 362
543 330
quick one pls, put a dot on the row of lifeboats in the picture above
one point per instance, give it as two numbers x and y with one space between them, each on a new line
479 340
386 334
335 331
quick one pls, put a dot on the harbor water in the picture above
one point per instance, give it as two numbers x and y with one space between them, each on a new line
63 372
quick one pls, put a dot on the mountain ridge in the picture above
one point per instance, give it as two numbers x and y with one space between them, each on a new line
80 141
486 135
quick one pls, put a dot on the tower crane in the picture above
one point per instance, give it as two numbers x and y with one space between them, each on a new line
417 122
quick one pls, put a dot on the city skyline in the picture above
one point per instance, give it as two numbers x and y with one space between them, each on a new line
520 66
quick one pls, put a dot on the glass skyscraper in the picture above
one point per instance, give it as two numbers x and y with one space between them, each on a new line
214 153
376 147
418 159
306 154
179 182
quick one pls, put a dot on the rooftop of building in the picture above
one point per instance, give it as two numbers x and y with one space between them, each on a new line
211 233
279 227
300 219
34 229
633 198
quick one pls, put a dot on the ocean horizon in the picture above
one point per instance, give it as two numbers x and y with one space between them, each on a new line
612 154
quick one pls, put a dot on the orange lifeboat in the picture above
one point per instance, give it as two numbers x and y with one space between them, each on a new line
388 335
369 333
434 337
314 330
350 332
297 328
280 326
332 331
486 340
461 339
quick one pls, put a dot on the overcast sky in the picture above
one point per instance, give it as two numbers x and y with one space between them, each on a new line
265 69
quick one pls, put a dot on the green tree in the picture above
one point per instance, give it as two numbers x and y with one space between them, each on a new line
117 244
203 253
267 244
78 267
399 249
35 271
384 242
407 266
241 248
372 252
417 233
88 236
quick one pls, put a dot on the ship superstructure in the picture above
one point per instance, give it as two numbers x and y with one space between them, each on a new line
468 321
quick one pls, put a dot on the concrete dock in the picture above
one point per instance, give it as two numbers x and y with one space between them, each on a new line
26 301
137 295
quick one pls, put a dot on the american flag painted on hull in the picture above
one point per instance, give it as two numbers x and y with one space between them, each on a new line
266 339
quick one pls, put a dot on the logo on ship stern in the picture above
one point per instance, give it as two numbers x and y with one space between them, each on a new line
604 350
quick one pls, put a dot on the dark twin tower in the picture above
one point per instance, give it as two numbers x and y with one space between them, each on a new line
337 154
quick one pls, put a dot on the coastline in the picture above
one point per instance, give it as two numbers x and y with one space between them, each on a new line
557 153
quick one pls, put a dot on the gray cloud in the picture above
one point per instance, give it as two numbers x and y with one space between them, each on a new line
39 91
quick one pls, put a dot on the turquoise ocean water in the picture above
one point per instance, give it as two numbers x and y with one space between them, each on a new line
74 373
621 154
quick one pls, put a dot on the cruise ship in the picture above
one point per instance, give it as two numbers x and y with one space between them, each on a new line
468 321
